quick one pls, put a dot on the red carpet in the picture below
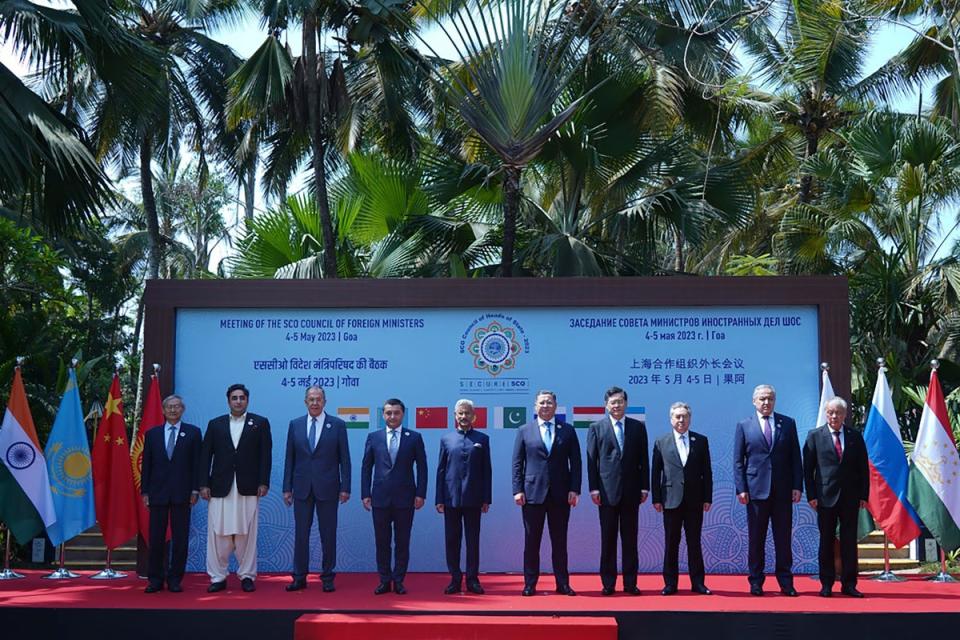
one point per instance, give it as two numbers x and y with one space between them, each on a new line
425 594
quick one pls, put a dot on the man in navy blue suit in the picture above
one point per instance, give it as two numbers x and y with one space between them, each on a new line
316 479
464 489
170 485
388 487
546 483
769 479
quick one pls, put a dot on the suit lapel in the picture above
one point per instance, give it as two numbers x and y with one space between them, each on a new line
672 448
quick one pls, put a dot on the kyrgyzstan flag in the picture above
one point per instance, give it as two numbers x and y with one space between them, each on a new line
480 415
431 418
152 417
113 489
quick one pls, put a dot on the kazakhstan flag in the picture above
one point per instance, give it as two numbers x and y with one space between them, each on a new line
68 465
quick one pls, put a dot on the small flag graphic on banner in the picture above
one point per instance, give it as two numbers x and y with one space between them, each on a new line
561 415
637 413
355 417
431 418
481 418
509 417
583 416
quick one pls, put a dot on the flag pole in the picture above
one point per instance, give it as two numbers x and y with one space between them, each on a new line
8 573
107 573
943 575
886 575
61 572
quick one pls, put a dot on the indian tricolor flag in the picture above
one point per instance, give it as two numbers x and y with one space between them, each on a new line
26 504
355 417
583 416
934 489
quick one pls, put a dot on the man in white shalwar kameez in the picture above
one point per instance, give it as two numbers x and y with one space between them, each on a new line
237 456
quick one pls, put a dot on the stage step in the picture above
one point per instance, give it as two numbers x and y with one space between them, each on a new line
871 555
327 626
88 551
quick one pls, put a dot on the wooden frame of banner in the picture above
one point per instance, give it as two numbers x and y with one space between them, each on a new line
163 298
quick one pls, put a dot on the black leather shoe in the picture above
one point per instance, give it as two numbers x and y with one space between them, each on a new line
702 590
153 588
297 585
668 591
399 589
607 591
474 587
174 588
528 591
247 585
328 587
452 588
217 586
565 590
382 588
756 591
789 591
632 591
852 592
826 592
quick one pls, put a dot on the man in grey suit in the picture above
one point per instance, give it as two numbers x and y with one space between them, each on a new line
682 486
464 489
769 479
316 479
546 483
837 478
619 479
389 488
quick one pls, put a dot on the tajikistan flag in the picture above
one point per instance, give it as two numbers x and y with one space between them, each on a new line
826 395
584 416
26 505
355 417
935 471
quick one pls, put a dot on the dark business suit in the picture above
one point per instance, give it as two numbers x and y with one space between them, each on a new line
682 490
392 489
770 475
546 480
250 461
621 477
464 485
838 485
316 477
169 484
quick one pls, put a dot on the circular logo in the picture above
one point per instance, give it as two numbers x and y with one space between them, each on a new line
494 348
20 455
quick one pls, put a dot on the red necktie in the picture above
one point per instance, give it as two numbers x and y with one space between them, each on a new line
836 444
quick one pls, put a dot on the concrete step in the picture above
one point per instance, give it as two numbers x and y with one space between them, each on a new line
873 550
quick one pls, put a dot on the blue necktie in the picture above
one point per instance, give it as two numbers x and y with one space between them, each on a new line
547 437
393 446
171 441
313 434
618 431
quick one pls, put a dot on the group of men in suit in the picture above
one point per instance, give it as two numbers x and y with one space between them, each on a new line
230 466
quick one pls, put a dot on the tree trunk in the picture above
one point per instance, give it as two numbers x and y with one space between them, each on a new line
511 206
319 148
806 182
150 210
250 190
678 258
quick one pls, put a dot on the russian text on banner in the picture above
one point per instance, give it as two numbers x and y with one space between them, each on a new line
889 471
935 471
68 467
26 506
114 492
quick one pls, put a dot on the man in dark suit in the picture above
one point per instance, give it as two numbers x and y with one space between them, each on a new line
682 486
837 479
388 487
316 479
169 487
769 480
546 483
619 479
464 489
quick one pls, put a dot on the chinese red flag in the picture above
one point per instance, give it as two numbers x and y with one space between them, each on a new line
115 497
431 418
152 417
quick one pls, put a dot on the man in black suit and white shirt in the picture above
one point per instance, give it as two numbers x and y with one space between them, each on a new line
837 479
237 458
682 486
169 487
546 483
619 479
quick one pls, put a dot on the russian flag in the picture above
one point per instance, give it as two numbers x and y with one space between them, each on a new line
889 471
